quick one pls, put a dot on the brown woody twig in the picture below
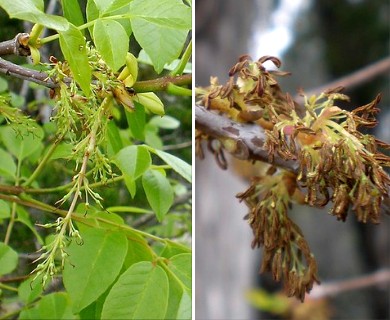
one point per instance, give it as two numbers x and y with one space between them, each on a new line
380 277
18 46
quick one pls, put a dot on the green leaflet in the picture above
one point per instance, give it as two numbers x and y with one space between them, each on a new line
106 6
32 10
52 306
74 48
7 164
112 42
179 306
158 191
21 142
133 161
181 265
93 266
180 166
72 11
8 259
161 28
136 121
140 293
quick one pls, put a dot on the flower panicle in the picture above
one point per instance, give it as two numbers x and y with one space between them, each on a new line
286 253
337 162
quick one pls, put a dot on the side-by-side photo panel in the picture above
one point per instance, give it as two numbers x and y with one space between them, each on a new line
96 159
292 182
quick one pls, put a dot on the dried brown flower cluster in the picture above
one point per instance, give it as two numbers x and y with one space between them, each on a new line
337 163
286 252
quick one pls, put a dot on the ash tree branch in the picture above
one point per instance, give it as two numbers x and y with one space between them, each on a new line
354 79
331 289
18 46
249 137
14 70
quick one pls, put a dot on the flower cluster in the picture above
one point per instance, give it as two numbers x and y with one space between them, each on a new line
337 162
286 252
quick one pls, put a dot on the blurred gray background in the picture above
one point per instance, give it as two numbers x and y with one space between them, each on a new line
318 41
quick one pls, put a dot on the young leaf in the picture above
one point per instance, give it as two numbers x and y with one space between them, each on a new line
103 5
133 161
32 11
74 48
138 250
25 218
152 137
172 249
136 121
22 142
3 85
151 102
113 137
165 122
5 210
158 191
144 58
181 266
92 13
62 151
94 310
28 291
106 6
93 266
8 259
185 306
160 27
72 11
7 164
52 306
180 166
112 42
179 301
140 293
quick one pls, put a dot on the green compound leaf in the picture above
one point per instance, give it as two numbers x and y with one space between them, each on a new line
8 259
180 166
93 266
161 28
32 10
74 48
112 42
52 306
140 293
158 191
